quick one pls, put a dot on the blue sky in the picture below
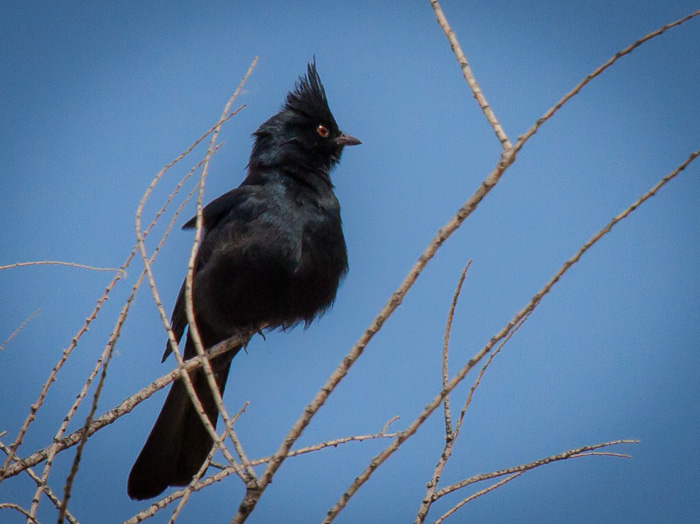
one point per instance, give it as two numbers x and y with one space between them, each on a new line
97 97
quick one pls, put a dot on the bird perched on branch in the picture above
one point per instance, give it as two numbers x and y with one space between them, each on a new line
272 255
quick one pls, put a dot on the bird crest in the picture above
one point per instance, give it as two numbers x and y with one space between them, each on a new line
309 96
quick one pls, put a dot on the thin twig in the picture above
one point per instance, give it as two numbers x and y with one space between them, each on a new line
519 470
469 76
68 487
476 383
20 328
445 348
20 509
572 453
477 495
450 436
202 470
602 454
627 50
59 263
189 489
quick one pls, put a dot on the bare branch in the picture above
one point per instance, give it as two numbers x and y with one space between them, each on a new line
431 486
49 493
516 471
57 367
107 353
469 76
627 50
66 353
534 302
572 453
20 509
506 159
122 409
68 487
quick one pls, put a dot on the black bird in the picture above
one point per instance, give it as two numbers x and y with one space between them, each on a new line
272 256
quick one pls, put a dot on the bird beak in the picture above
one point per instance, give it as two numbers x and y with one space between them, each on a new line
347 140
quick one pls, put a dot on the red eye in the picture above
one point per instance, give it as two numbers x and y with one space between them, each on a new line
322 131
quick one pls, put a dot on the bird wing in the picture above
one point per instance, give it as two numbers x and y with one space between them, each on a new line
250 219
212 214
215 210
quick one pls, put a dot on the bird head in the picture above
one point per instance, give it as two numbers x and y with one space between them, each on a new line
304 136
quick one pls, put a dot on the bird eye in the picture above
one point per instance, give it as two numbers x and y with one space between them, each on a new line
322 131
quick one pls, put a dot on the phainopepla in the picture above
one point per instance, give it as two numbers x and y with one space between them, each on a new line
272 255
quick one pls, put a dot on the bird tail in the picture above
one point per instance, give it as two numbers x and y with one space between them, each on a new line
179 443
